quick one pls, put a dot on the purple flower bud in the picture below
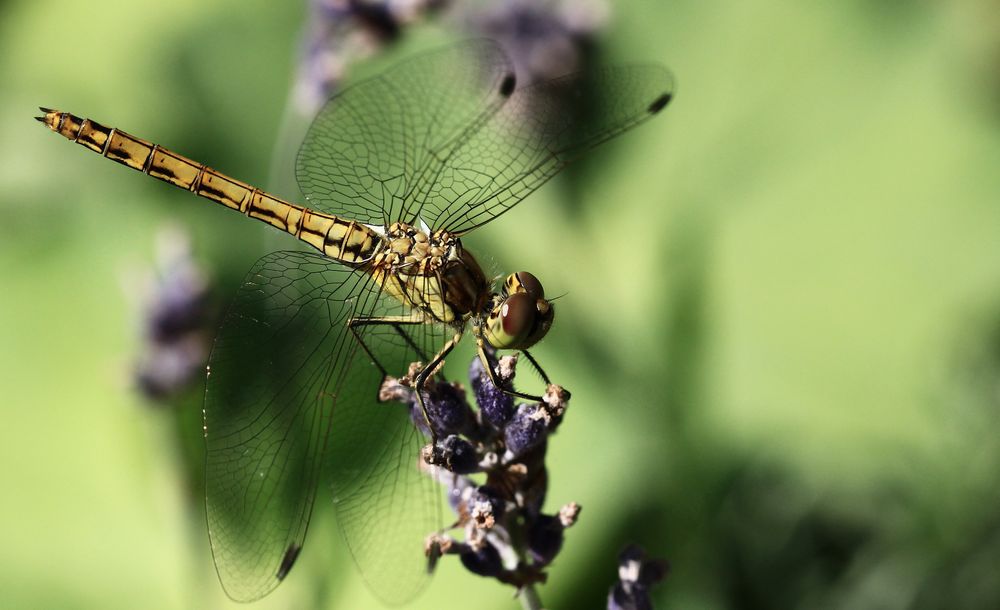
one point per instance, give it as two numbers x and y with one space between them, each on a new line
545 538
462 456
496 406
456 454
446 408
485 562
526 430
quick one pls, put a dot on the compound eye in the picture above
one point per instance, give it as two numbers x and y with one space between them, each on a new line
544 313
517 315
522 281
530 284
511 321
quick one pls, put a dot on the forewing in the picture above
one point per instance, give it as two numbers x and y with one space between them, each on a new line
374 150
534 135
291 403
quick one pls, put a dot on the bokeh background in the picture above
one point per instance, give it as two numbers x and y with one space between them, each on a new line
781 325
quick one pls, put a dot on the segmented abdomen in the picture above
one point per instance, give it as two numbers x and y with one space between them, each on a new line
345 240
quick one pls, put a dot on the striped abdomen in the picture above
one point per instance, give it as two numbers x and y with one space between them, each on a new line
345 240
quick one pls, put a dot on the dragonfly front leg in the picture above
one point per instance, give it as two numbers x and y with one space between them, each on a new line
426 372
480 346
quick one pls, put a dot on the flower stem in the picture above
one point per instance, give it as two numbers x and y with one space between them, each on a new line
529 598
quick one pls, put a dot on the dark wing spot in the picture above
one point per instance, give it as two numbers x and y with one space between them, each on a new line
659 103
433 552
507 85
288 560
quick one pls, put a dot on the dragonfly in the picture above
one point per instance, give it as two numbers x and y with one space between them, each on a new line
395 170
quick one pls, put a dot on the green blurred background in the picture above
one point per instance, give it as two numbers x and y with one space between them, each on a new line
785 379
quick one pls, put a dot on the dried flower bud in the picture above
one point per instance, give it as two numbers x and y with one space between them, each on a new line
569 513
485 507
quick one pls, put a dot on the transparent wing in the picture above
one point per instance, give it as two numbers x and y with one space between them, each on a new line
291 404
444 137
375 150
534 135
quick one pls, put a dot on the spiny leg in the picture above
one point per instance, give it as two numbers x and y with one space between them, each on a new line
537 367
493 376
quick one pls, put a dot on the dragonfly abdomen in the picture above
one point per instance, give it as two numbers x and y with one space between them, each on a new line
344 240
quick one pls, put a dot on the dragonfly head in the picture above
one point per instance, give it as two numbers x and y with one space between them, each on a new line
520 315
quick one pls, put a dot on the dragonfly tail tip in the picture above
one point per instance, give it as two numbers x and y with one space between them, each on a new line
46 112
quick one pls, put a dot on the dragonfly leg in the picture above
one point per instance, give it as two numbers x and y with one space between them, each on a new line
395 322
536 366
421 379
496 382
426 372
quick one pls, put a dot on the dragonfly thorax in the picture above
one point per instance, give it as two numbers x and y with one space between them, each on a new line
432 273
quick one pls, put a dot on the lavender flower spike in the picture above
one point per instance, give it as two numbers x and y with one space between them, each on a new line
505 535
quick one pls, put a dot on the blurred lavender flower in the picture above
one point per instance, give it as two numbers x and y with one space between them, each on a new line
178 319
340 32
636 576
545 38
505 533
